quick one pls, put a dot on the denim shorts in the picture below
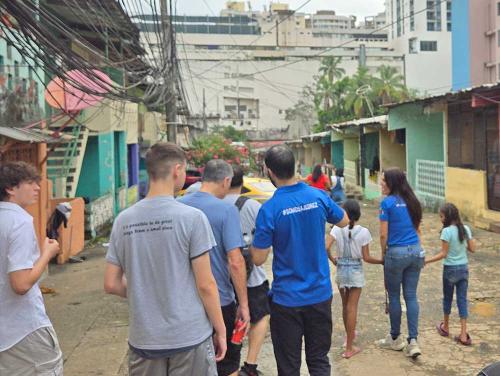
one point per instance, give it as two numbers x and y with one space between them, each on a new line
349 273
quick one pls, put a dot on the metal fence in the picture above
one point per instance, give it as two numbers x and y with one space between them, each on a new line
430 179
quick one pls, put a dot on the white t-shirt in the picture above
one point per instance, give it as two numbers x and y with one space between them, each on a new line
360 236
334 181
20 315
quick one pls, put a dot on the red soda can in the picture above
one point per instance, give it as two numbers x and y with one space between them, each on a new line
238 332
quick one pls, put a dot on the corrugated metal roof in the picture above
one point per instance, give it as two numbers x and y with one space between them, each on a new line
446 95
28 135
382 119
316 135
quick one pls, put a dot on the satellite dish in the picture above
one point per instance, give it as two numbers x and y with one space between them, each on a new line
62 94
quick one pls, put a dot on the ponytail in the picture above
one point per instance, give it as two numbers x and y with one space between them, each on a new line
353 211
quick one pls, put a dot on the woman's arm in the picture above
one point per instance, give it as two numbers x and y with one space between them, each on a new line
441 255
471 245
329 242
369 259
384 233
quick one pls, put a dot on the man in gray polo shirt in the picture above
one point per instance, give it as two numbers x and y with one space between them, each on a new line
162 248
257 284
28 343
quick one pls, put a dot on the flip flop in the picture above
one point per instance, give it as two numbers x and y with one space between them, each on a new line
348 355
441 331
465 343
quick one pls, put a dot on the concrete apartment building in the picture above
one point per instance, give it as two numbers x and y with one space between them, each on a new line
245 68
421 31
476 43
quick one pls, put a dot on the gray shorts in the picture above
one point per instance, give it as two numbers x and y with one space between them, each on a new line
199 361
37 354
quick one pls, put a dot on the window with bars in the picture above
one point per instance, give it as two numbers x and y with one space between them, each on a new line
412 15
426 45
399 14
448 15
434 15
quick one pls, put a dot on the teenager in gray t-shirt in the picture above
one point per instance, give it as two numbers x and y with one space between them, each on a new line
159 260
154 242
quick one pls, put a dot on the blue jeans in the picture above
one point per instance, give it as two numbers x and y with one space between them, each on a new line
402 266
455 275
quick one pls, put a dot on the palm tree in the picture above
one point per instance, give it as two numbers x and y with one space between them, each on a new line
389 86
330 71
360 96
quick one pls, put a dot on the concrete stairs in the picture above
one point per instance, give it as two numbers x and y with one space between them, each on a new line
65 161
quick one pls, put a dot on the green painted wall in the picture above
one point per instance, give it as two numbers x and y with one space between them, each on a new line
371 149
424 135
88 184
98 170
338 153
351 149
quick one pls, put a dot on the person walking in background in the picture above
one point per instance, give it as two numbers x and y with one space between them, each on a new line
258 286
227 261
456 240
159 260
293 223
353 246
338 184
318 179
28 342
400 219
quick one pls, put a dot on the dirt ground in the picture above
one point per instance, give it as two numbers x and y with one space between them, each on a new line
92 326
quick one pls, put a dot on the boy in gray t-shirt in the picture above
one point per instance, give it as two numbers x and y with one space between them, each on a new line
161 246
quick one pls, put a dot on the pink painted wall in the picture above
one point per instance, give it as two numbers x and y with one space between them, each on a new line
483 49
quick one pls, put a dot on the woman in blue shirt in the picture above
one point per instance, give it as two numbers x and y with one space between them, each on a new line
400 218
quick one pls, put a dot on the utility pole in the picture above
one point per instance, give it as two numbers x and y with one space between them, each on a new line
205 125
238 92
169 73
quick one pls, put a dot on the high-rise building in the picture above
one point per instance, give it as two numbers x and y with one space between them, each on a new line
475 42
421 31
245 69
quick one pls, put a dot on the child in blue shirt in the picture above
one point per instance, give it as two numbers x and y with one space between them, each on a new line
456 241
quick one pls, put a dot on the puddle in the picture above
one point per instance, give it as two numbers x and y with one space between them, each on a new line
484 309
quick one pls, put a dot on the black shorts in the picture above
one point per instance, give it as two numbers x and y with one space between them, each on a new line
231 362
258 302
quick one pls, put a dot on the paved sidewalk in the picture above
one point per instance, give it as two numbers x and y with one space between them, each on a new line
92 326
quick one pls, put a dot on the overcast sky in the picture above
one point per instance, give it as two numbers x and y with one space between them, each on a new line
359 8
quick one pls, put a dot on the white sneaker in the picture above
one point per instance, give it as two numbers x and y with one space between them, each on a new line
413 350
397 344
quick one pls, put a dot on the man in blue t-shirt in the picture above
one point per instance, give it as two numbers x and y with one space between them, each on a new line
293 223
226 259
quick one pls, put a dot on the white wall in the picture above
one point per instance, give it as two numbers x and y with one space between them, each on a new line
275 91
427 71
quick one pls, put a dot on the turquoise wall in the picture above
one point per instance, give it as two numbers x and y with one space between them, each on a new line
98 169
424 135
371 149
338 153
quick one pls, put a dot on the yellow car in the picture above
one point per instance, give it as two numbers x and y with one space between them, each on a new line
258 188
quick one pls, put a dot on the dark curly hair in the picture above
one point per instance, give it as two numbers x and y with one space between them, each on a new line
14 173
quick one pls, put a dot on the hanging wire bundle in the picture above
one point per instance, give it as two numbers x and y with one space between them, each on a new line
58 36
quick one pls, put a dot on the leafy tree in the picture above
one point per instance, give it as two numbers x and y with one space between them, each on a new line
213 146
389 85
360 98
233 134
329 72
